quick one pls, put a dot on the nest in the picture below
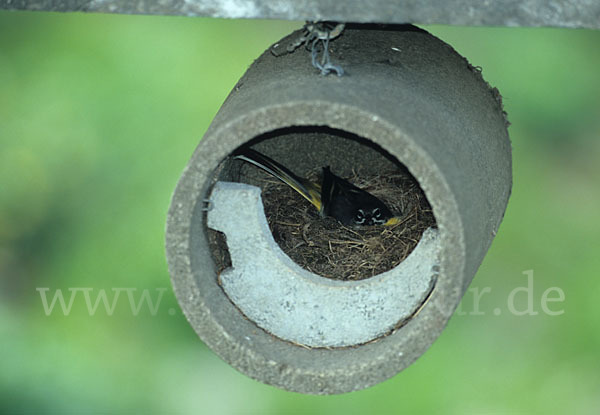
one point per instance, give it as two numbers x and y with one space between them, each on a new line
330 249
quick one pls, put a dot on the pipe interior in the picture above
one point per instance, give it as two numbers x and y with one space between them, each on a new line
303 150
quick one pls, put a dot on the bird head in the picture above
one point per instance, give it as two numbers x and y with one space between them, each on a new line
376 215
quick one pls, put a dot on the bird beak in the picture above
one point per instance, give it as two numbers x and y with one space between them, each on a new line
392 221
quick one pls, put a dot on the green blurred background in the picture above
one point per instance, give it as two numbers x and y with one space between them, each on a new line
99 115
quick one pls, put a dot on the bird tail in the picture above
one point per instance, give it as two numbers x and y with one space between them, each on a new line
307 189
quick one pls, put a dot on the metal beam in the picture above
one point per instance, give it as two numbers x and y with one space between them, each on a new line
558 13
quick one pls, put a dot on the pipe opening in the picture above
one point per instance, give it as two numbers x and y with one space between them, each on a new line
322 245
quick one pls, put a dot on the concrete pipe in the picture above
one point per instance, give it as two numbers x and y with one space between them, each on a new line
406 99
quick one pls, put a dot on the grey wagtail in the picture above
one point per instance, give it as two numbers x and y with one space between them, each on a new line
334 196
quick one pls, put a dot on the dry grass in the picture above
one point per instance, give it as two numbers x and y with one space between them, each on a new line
332 250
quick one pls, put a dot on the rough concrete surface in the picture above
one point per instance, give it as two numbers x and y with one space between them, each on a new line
412 97
299 306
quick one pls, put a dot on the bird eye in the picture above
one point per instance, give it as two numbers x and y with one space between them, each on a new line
359 218
376 213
